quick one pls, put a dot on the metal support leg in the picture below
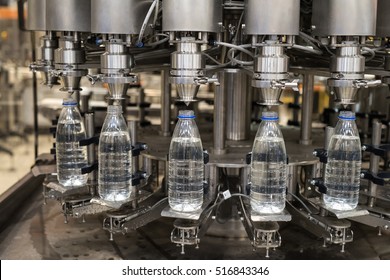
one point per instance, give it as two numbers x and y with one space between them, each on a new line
374 159
219 120
165 104
307 109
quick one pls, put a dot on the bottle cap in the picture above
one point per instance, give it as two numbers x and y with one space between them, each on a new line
269 116
347 116
69 102
186 114
114 109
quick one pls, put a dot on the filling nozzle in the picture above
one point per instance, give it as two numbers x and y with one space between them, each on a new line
271 73
69 58
347 72
116 65
187 68
45 62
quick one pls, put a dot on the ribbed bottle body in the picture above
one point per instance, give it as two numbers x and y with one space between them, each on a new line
186 167
70 156
342 172
115 162
268 168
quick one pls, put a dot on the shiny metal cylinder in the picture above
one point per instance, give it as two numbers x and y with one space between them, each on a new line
68 15
383 20
165 104
272 60
219 124
374 159
188 55
307 109
69 52
116 58
36 15
118 16
272 17
189 15
239 101
344 17
91 154
348 60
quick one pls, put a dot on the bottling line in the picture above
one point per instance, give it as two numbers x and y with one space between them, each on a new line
242 57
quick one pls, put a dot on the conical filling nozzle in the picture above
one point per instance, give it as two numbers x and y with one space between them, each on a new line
187 92
70 83
117 90
49 80
345 95
270 96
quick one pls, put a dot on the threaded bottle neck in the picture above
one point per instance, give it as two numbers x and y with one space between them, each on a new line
269 116
69 102
186 114
347 116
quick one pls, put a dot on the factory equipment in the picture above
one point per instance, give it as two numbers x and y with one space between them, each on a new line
234 48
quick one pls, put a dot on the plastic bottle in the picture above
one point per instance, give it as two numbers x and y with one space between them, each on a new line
342 172
114 171
186 166
268 167
70 156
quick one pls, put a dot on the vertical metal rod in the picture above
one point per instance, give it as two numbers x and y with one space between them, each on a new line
374 160
35 96
307 108
165 104
91 154
135 164
219 129
141 108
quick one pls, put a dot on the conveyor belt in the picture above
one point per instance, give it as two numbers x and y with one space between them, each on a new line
38 231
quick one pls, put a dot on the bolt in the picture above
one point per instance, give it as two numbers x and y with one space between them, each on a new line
362 175
364 148
315 153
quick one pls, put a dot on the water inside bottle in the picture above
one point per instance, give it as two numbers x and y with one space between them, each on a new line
186 174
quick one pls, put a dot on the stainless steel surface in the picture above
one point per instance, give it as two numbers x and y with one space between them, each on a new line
89 119
128 14
68 15
36 15
376 138
383 21
284 216
239 103
329 17
42 234
307 109
272 17
182 15
165 101
219 121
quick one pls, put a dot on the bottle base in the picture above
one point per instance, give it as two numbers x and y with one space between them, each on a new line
74 182
338 205
185 207
267 209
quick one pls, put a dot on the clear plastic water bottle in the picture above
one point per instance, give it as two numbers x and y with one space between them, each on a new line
185 191
342 172
114 171
70 156
268 167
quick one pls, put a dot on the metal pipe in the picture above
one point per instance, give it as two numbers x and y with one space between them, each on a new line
35 96
132 126
307 108
165 104
89 119
374 159
219 125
